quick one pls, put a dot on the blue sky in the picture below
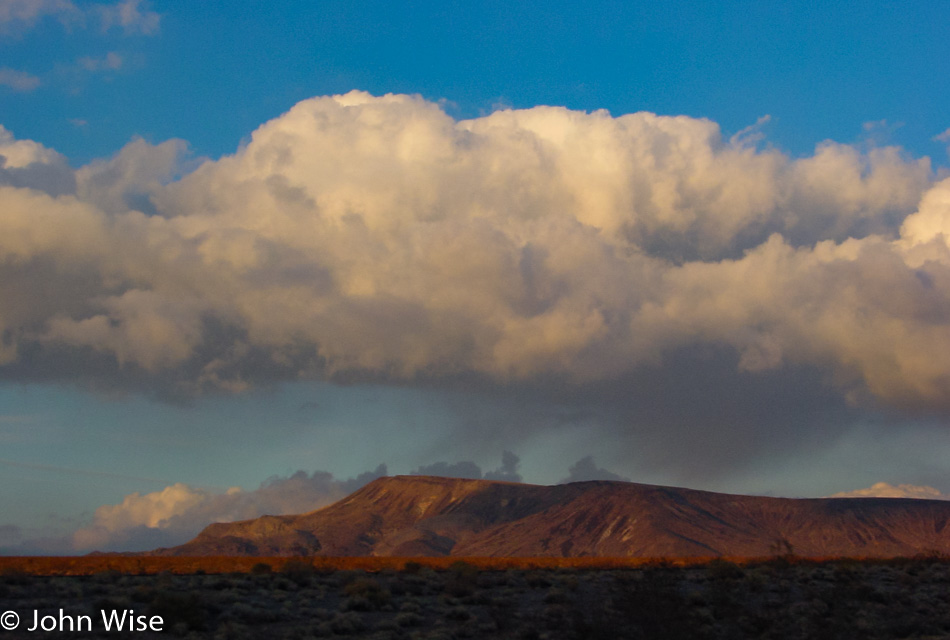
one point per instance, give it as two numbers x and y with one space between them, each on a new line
745 293
819 71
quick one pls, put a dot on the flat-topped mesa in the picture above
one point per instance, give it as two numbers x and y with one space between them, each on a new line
432 516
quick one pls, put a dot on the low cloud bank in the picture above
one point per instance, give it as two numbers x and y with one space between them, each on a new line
178 512
885 490
585 470
507 472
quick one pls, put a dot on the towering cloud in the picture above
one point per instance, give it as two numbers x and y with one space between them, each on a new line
361 237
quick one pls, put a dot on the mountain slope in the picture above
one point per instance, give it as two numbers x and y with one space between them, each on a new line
428 516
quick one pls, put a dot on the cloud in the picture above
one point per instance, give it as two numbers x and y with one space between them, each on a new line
109 62
885 490
585 470
507 472
25 13
18 80
28 165
19 154
131 16
462 469
945 138
130 178
375 238
178 512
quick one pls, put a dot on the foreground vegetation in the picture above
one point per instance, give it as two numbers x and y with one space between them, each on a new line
446 598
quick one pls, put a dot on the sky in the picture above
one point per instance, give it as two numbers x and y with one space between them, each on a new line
254 255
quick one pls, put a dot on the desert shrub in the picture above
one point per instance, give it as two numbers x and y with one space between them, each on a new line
480 597
461 580
347 624
361 586
460 567
529 633
387 624
109 576
496 578
11 575
412 567
555 596
233 631
179 609
459 614
501 616
250 614
300 571
416 585
459 587
409 619
398 588
261 569
654 605
570 582
238 611
410 606
284 584
538 579
218 583
111 604
366 594
928 556
346 576
719 569
322 614
142 593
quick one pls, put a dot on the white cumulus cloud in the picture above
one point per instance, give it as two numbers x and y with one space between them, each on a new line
360 236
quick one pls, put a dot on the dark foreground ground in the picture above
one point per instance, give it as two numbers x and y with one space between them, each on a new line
780 598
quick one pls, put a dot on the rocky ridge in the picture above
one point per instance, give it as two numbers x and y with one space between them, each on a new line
409 516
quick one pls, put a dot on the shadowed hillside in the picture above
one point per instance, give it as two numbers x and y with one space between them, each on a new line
428 516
